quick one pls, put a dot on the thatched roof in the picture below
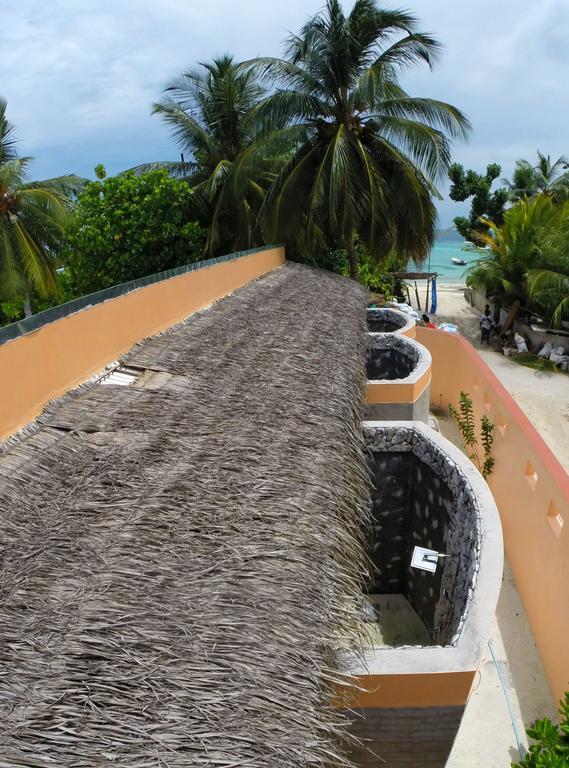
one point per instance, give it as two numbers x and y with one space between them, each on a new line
179 557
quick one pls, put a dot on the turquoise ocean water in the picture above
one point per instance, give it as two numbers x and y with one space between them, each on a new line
446 246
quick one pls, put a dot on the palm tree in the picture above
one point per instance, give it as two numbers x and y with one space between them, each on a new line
33 216
527 259
551 287
367 155
549 282
546 177
211 113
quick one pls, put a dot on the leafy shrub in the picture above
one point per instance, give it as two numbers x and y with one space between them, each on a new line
551 742
129 226
480 453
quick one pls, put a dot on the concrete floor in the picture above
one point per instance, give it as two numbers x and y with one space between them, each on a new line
397 624
486 736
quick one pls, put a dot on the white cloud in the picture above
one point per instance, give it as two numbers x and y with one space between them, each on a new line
80 77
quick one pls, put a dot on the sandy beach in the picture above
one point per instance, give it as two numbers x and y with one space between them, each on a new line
543 396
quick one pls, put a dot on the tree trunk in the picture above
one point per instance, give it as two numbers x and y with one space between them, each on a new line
27 306
352 258
509 321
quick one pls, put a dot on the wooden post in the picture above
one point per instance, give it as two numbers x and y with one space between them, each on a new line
427 299
417 295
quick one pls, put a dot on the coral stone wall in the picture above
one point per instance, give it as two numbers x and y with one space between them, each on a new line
390 358
387 320
421 498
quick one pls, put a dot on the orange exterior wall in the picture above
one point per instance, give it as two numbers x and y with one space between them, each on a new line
531 490
384 392
436 689
45 363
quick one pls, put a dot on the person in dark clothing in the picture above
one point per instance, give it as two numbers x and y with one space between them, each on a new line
486 326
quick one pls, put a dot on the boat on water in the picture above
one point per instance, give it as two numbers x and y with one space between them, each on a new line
460 262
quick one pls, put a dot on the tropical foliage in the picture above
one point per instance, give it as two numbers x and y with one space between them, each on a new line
528 258
484 202
130 226
376 275
479 445
211 113
33 217
366 155
545 177
550 747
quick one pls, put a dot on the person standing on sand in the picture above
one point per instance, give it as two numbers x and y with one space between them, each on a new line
486 326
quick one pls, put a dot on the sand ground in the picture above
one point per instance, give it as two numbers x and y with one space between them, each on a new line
543 396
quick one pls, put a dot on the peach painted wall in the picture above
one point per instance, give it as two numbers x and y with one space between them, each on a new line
389 392
45 363
435 689
531 490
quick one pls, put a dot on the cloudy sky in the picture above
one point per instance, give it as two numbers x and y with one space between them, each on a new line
80 75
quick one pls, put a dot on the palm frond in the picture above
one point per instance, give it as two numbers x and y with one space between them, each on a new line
284 107
425 146
8 140
175 168
38 266
556 285
414 48
12 280
186 130
437 114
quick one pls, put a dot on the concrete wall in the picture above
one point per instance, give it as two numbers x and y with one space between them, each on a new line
405 398
419 737
45 363
538 338
531 490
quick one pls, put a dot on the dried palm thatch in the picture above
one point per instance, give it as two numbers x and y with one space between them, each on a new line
178 560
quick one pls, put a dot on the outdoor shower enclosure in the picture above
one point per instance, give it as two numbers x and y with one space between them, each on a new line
431 622
398 378
388 320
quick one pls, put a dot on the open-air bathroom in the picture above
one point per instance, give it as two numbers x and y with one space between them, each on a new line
398 377
387 320
436 552
391 357
426 538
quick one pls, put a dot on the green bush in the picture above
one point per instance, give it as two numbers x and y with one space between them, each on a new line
130 226
551 742
481 455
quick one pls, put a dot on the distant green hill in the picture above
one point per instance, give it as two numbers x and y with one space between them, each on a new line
449 235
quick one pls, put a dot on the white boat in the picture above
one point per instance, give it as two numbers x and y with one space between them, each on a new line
456 260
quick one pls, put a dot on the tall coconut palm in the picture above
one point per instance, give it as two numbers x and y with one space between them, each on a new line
369 155
33 216
211 113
